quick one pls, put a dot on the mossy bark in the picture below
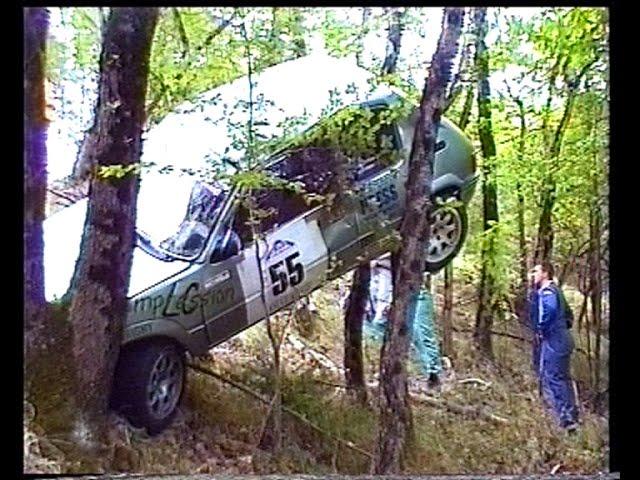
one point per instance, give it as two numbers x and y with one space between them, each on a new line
98 307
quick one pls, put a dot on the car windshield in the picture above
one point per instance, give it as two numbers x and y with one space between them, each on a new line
203 210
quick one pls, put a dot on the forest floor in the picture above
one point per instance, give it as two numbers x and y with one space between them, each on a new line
482 418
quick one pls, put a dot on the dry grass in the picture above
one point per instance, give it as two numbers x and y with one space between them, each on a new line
35 459
218 427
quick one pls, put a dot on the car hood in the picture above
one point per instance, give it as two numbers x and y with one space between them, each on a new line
62 237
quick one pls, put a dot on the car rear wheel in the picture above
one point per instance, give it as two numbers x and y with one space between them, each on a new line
149 382
448 232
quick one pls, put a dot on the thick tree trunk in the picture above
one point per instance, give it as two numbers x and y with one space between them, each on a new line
395 413
488 306
460 79
99 304
356 310
544 244
36 25
394 39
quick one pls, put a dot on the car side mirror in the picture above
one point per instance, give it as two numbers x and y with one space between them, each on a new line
224 250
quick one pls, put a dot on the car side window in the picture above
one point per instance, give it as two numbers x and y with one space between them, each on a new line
241 225
272 207
279 207
228 241
313 168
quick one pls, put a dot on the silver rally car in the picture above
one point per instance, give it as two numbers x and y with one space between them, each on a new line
220 280
231 281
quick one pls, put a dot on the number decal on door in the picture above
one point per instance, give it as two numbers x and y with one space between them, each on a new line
282 277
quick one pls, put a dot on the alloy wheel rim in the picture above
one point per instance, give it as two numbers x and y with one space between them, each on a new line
446 228
165 384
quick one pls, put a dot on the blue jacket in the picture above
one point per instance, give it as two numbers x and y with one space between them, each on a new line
547 318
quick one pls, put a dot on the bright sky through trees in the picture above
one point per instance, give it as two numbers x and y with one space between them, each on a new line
71 108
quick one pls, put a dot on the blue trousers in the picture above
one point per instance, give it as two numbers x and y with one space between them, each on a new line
557 387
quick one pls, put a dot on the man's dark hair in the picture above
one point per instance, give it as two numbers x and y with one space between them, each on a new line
548 268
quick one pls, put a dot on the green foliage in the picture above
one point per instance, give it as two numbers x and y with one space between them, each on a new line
356 132
340 37
55 58
258 180
86 39
558 42
117 171
179 70
192 53
570 34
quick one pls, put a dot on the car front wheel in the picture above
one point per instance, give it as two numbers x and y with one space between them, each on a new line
448 232
149 382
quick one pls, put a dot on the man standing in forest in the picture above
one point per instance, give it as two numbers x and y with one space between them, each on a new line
550 320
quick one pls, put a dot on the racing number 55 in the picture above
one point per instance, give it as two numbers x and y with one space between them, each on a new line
281 281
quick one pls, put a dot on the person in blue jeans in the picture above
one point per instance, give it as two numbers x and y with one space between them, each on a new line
426 351
548 318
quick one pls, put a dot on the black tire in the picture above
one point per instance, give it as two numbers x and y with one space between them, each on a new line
448 212
149 382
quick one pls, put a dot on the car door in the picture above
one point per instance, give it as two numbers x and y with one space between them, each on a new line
294 260
230 287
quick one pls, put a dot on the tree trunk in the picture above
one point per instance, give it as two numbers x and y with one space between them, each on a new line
488 306
460 79
36 26
395 413
356 310
271 437
595 275
394 38
466 109
99 305
366 13
298 34
447 311
583 311
521 293
353 365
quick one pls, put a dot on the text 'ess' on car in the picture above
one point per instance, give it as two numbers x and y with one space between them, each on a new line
215 270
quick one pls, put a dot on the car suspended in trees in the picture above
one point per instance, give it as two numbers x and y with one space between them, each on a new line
335 198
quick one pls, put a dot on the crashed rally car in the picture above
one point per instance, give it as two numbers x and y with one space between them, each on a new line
212 278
